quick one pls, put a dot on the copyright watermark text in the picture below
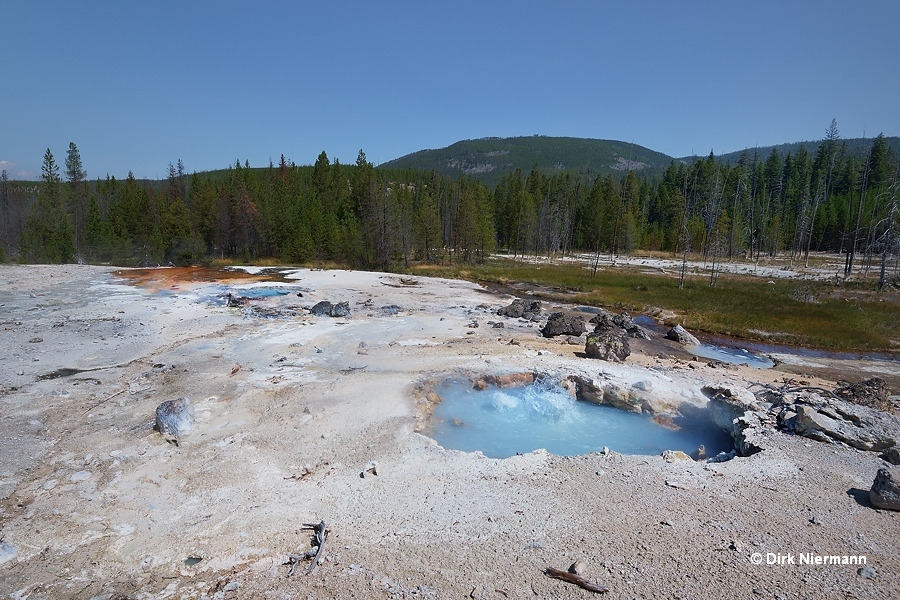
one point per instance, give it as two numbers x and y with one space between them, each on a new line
806 558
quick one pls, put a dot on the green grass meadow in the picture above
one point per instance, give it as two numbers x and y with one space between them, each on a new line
847 317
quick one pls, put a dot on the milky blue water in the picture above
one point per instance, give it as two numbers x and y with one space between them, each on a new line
503 422
261 292
736 356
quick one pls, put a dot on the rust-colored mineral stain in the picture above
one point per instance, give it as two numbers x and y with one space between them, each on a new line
179 278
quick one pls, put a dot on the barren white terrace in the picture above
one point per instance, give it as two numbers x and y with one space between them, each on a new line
291 410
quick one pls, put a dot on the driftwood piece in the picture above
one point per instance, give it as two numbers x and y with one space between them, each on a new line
319 535
315 552
107 399
576 579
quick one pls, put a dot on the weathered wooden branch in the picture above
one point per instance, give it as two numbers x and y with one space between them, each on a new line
319 535
108 398
315 552
576 579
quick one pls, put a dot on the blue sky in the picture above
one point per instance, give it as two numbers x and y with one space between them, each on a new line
138 85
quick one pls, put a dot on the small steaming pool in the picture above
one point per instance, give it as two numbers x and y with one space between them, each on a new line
503 422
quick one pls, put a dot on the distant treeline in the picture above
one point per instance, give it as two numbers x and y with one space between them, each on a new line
830 200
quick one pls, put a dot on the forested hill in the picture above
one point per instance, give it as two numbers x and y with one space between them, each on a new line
489 159
857 147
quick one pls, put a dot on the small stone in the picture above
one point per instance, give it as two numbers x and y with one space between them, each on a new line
700 453
671 456
723 456
175 419
815 520
371 467
35 340
867 572
232 586
147 564
579 567
80 476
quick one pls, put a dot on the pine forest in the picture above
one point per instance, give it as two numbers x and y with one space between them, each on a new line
829 200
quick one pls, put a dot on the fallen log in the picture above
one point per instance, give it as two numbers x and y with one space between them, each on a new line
576 579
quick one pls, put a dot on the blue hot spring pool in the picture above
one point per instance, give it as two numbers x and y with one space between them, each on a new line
503 422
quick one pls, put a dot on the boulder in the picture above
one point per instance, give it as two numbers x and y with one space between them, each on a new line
327 309
885 492
561 323
727 405
623 321
610 345
175 419
522 309
816 425
680 335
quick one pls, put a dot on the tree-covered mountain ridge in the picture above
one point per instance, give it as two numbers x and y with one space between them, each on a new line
489 159
857 147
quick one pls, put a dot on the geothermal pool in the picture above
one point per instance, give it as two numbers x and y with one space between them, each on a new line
508 421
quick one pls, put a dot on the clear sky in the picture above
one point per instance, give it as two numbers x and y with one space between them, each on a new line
138 85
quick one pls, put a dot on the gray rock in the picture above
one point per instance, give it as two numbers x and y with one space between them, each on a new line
867 572
561 323
610 345
390 309
816 425
726 405
327 309
521 309
680 335
606 320
175 419
892 455
885 492
722 457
